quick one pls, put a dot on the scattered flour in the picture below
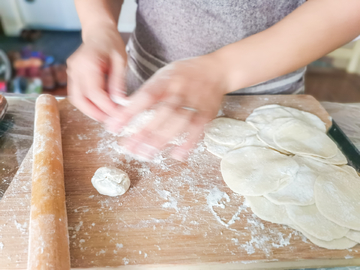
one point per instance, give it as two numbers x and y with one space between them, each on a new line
126 261
1 245
21 228
100 252
214 199
172 203
188 201
82 137
264 238
78 226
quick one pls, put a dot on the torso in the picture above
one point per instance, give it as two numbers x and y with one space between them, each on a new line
168 30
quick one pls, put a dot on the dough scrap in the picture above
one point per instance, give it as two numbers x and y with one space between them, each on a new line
301 190
255 171
228 131
267 210
341 243
297 137
110 181
337 198
267 114
309 219
353 235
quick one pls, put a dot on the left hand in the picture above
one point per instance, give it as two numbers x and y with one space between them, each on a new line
186 95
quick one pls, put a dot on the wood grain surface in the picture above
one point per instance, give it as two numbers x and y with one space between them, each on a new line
174 216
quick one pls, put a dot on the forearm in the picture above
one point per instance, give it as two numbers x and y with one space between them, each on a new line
97 13
311 31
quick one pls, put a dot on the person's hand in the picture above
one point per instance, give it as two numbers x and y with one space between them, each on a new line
96 71
185 95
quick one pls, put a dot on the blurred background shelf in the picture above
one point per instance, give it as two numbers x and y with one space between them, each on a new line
335 77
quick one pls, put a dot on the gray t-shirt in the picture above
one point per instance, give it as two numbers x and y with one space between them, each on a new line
169 30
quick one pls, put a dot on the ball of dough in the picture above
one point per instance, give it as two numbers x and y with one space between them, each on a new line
110 181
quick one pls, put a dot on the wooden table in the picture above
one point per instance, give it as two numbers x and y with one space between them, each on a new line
174 216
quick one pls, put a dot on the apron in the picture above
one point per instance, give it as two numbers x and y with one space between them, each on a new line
170 30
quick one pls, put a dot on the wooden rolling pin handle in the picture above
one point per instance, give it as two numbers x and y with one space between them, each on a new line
48 232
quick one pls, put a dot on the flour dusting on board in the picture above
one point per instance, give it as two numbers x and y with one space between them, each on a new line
168 202
213 199
168 194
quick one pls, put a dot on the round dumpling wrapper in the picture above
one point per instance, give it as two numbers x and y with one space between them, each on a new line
301 190
338 159
337 198
265 115
215 148
266 134
228 131
255 171
267 210
297 137
310 220
340 243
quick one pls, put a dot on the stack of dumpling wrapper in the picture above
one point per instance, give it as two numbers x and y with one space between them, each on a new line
290 172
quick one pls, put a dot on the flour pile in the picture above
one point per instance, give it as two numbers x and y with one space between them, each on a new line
290 172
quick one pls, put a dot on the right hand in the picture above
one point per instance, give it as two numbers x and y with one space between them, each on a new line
96 71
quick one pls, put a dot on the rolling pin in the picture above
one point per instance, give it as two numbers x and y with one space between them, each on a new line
48 232
3 106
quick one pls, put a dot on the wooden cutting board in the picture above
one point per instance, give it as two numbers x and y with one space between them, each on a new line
174 216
